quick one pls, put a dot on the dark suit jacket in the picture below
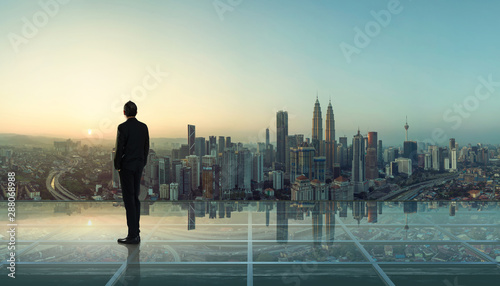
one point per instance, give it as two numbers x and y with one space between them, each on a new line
132 145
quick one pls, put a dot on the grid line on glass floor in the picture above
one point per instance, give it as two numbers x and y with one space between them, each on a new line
115 278
461 241
383 276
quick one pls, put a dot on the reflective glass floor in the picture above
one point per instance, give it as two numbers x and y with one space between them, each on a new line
255 243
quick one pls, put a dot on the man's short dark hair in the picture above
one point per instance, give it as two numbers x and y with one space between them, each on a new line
130 109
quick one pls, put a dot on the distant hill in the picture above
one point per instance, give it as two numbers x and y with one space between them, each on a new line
27 140
166 142
11 139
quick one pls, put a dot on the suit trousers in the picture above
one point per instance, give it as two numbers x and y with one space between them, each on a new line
131 183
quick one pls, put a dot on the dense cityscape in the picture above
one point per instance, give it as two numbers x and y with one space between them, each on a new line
297 168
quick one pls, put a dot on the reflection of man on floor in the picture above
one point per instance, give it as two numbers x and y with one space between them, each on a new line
132 148
132 275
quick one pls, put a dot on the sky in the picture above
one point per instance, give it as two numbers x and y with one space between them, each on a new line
227 66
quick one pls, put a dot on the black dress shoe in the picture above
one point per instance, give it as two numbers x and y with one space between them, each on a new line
130 240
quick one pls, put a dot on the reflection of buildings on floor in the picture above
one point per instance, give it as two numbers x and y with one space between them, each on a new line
281 222
330 222
187 243
317 223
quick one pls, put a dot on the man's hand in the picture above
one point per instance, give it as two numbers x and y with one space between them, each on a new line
119 170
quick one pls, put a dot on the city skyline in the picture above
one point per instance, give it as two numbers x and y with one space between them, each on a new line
230 73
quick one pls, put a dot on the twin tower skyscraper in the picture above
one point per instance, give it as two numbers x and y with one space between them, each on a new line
323 147
327 147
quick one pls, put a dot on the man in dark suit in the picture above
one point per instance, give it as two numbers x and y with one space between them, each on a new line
131 153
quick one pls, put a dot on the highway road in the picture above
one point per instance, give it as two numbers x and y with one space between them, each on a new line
57 190
407 193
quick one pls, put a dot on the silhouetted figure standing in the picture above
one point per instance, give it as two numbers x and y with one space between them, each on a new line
132 148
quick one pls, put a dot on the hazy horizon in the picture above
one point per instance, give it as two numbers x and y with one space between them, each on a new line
229 71
111 141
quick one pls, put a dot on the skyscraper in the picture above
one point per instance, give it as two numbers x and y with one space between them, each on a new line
208 163
371 157
216 181
183 151
258 168
330 139
452 143
427 161
164 170
343 141
380 154
261 147
453 155
278 180
191 139
319 168
406 129
435 155
339 154
194 162
244 172
358 164
222 144
404 165
453 160
269 156
213 146
281 137
185 182
317 128
344 161
199 147
410 151
176 166
291 142
267 137
229 169
302 162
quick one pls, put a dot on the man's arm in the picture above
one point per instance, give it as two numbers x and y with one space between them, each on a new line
146 147
120 143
